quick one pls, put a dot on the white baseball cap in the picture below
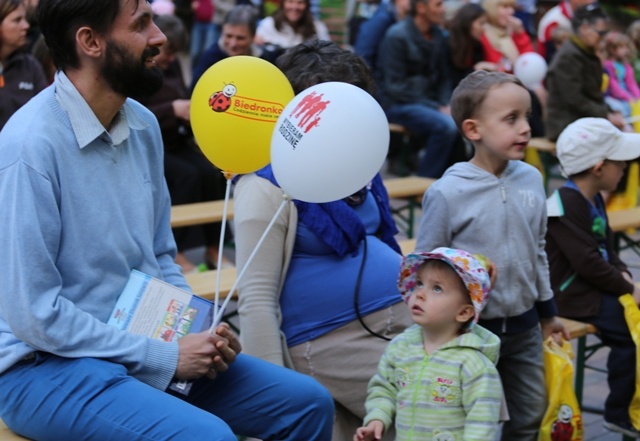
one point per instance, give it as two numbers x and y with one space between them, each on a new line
587 141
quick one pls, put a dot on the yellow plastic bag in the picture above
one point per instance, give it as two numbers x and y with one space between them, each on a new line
635 114
632 315
563 420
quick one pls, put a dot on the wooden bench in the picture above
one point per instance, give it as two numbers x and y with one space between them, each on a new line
199 213
204 284
542 145
620 221
410 188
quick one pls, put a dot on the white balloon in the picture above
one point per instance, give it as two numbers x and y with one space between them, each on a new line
530 68
329 142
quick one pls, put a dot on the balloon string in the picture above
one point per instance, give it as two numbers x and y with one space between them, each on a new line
228 177
218 314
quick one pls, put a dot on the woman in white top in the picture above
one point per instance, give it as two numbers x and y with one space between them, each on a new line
290 25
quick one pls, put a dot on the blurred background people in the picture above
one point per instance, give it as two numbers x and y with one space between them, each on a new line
414 83
371 32
21 76
504 38
291 24
558 17
623 89
465 32
203 30
237 38
574 79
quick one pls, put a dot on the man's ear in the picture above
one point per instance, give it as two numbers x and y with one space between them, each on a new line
465 313
470 129
88 43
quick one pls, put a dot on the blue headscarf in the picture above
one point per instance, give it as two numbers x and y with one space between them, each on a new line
337 224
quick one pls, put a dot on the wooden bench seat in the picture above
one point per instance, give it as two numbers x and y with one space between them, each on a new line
543 145
199 213
408 187
578 329
204 284
411 187
621 220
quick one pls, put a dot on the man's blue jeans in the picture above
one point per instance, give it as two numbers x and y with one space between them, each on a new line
203 35
439 128
54 398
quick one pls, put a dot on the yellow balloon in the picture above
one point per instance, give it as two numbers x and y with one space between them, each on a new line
234 109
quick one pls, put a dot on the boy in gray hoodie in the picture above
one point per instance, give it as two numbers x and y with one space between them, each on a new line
495 205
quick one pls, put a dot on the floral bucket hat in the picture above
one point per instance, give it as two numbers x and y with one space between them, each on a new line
471 269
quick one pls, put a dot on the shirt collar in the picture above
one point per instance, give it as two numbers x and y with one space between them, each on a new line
86 126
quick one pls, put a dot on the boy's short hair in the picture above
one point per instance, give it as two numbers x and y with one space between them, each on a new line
470 269
587 141
472 90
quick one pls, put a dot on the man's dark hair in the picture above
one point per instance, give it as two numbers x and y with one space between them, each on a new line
320 61
59 21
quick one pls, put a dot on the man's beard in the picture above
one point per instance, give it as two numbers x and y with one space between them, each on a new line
129 76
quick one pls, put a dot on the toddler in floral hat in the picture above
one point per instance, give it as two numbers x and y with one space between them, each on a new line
438 379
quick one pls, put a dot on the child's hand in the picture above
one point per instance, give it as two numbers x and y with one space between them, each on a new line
554 327
370 432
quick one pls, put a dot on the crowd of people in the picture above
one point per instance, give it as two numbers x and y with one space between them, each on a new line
341 337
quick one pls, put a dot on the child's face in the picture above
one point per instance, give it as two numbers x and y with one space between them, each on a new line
439 298
622 52
610 173
502 123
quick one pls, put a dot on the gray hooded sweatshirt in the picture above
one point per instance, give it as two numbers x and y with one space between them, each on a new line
505 219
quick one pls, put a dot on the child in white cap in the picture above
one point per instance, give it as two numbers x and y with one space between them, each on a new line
438 378
587 276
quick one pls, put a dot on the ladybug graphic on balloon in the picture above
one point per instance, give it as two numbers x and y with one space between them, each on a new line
221 101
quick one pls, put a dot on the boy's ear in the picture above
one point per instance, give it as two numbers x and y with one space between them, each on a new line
465 313
470 129
597 169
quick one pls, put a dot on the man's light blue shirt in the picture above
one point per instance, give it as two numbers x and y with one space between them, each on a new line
81 207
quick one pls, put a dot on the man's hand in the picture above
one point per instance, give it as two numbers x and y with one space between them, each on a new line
228 347
195 355
207 354
554 327
372 431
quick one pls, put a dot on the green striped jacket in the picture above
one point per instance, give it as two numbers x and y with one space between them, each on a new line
453 394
